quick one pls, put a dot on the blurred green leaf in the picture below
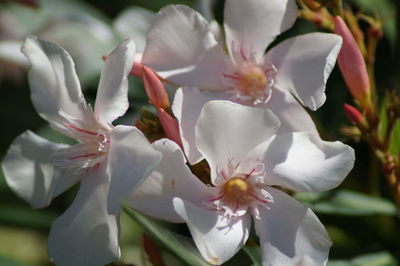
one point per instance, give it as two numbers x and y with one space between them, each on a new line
395 142
255 255
385 9
4 261
24 216
345 202
383 258
177 245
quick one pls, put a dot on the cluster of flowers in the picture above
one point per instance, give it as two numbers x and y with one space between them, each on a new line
237 108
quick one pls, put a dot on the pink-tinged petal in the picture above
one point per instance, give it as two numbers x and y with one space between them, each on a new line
180 47
171 178
303 67
352 65
302 162
131 159
226 132
86 234
188 102
217 237
53 81
291 114
112 94
289 231
29 173
256 23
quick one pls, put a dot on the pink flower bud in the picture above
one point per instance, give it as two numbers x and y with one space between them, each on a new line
154 88
152 251
355 116
170 126
137 69
352 65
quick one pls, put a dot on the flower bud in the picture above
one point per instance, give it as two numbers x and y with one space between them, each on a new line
152 251
352 65
170 126
355 116
154 88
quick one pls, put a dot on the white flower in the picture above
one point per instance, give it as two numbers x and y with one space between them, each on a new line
181 47
247 159
109 161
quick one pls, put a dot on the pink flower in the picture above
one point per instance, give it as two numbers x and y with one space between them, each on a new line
181 48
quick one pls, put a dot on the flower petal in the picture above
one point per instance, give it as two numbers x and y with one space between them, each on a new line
29 173
227 131
53 81
217 238
288 231
112 94
303 67
133 22
291 114
256 23
301 162
171 178
131 158
86 234
188 102
181 48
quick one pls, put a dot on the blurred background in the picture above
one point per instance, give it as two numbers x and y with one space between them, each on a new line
360 216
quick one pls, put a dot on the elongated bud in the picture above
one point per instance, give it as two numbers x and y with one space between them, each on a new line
155 89
152 251
170 126
355 116
352 65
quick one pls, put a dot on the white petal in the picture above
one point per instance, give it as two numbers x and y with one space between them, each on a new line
288 231
171 178
53 81
301 162
86 234
10 51
131 158
133 22
256 23
291 114
303 67
181 48
217 238
188 102
112 94
29 173
227 131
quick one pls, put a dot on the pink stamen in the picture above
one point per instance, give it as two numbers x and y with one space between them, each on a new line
223 175
257 198
236 208
217 198
243 54
81 130
82 156
249 174
232 76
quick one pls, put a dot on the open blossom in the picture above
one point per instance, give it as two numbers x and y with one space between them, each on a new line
247 161
106 159
182 48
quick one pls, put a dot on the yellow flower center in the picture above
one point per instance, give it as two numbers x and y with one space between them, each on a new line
235 188
252 81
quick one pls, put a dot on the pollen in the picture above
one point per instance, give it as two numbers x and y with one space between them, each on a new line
235 188
252 80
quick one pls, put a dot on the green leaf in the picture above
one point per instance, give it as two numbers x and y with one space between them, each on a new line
395 141
27 217
178 245
4 261
345 202
382 258
385 9
255 255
